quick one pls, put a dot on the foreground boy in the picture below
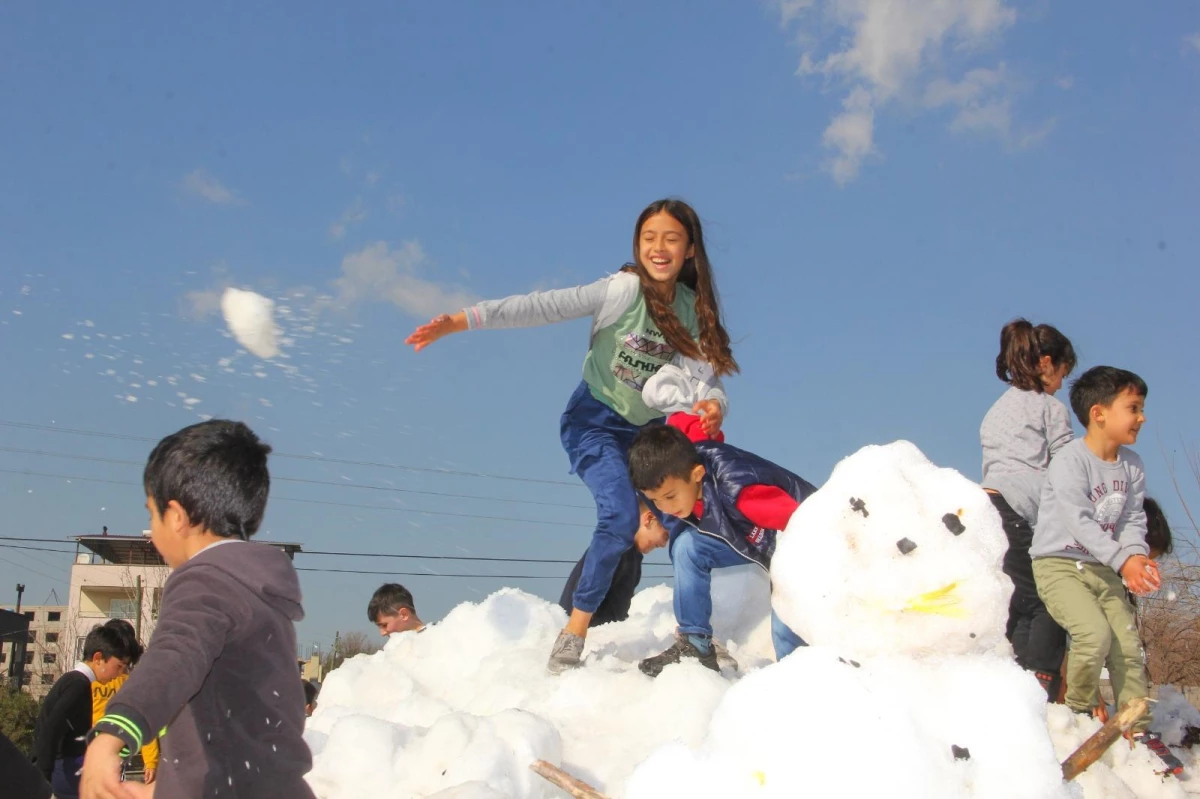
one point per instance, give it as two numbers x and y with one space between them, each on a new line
66 713
1090 543
732 505
221 665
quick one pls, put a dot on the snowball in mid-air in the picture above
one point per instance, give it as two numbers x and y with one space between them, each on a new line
894 555
251 320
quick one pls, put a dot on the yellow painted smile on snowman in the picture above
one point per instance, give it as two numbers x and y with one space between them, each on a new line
943 601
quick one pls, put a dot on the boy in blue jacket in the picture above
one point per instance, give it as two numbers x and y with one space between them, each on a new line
731 505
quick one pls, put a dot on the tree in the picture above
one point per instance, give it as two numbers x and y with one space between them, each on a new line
347 646
1170 619
18 713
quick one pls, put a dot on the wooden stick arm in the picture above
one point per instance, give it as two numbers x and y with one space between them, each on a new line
1095 747
571 786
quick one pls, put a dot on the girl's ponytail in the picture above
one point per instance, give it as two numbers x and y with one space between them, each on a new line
696 275
1022 347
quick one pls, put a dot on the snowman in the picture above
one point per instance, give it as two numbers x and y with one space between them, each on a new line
892 573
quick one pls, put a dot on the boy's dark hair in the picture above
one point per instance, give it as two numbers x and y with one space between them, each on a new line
132 645
1101 385
310 692
388 599
1158 530
660 452
217 471
1022 346
108 641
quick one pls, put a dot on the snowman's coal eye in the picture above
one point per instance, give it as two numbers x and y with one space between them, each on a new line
905 546
953 523
858 506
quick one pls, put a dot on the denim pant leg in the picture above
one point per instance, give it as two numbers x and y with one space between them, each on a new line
597 441
65 779
783 639
694 556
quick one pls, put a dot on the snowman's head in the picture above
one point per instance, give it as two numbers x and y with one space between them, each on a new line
893 556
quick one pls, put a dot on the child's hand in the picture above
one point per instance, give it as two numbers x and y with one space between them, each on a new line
709 412
101 776
1140 575
436 328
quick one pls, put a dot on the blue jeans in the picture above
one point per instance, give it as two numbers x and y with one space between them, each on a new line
597 441
65 779
694 556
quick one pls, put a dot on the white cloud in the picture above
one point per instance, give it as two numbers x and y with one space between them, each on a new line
1065 82
1193 40
983 99
851 135
379 272
355 213
201 184
899 51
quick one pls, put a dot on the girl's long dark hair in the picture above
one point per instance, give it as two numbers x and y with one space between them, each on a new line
1022 346
696 275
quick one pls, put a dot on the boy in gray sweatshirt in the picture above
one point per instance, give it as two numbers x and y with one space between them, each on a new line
1091 535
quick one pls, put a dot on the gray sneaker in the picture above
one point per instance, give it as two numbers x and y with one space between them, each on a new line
566 654
724 659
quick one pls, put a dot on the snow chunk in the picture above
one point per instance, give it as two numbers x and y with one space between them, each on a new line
251 319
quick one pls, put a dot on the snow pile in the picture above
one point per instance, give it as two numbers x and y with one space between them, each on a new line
461 708
251 320
908 690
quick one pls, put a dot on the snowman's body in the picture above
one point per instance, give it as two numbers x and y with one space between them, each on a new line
892 572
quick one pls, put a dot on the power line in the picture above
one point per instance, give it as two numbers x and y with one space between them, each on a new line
322 501
327 553
449 557
334 483
320 458
476 576
36 549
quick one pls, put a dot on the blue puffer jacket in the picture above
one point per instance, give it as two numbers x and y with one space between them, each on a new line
727 470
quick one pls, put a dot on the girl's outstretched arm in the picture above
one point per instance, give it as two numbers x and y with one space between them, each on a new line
605 298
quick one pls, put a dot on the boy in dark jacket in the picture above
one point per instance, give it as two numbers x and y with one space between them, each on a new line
221 665
732 505
651 535
66 714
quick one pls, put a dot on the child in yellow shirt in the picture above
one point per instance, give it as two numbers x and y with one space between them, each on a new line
102 692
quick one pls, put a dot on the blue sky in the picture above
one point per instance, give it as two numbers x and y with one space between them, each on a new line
884 185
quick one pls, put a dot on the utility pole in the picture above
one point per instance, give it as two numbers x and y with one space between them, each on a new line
138 631
18 647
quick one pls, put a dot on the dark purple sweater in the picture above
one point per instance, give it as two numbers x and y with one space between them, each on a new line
220 675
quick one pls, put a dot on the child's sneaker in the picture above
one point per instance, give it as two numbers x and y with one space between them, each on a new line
1155 744
566 653
725 661
682 648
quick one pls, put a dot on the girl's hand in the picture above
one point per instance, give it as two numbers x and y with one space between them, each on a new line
436 328
709 412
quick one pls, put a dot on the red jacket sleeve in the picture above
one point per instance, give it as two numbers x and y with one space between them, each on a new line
767 506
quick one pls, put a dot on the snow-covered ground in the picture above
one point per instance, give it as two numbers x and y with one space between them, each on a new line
913 695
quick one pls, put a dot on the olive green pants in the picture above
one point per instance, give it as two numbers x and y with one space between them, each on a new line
1089 601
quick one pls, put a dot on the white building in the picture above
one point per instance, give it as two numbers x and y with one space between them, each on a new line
120 577
47 651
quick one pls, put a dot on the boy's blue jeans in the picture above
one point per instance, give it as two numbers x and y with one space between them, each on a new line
694 556
65 779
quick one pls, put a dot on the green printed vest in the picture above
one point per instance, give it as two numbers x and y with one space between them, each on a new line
627 353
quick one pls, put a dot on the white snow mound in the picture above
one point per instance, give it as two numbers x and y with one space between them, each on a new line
251 319
907 690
